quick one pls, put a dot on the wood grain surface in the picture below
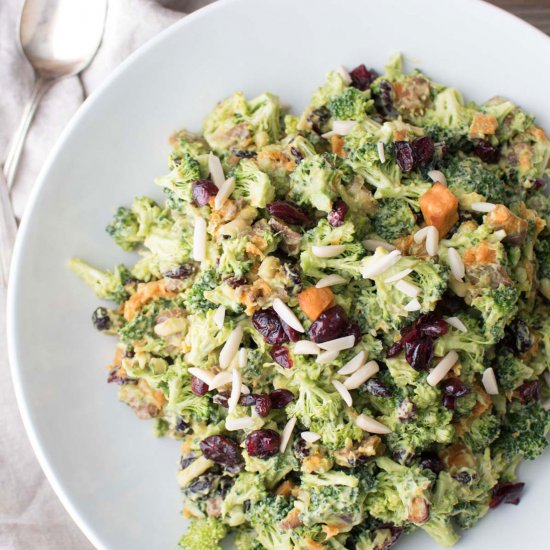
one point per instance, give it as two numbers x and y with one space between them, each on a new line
536 12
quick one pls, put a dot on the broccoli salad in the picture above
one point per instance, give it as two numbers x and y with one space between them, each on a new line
342 316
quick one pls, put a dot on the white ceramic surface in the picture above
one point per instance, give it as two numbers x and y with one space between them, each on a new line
113 476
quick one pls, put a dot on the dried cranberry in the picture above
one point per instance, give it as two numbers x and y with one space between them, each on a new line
182 426
296 154
435 329
202 191
353 329
423 150
487 152
362 78
247 400
404 155
269 325
187 460
538 183
114 377
281 356
235 282
243 154
518 338
101 319
292 333
222 450
377 388
337 214
507 493
288 212
409 334
430 461
419 353
318 119
406 410
181 272
263 404
431 324
281 398
395 349
331 324
529 391
454 387
383 100
388 542
462 477
301 448
403 456
263 443
198 387
449 402
221 399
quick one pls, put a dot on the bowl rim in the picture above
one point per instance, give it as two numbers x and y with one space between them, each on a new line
32 202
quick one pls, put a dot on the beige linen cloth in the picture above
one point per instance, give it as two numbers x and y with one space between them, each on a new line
30 514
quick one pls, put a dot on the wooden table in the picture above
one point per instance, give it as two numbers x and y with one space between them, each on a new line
536 12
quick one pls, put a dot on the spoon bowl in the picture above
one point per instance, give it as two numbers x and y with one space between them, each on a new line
60 37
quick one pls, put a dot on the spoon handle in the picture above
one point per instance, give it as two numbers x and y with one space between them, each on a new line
8 229
41 85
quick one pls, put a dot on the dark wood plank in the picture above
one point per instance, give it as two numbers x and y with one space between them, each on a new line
536 12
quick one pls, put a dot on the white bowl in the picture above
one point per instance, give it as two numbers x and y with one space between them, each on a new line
116 480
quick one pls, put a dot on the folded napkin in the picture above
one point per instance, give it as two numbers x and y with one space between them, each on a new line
30 514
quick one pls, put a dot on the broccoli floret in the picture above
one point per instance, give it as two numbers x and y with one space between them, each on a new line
248 487
471 180
482 432
542 251
181 401
252 185
351 104
429 425
393 219
382 306
245 540
448 117
264 112
511 371
266 516
239 124
195 300
348 263
124 228
470 345
203 534
106 285
179 182
524 431
331 498
441 530
314 182
363 158
314 403
203 337
142 324
333 87
391 500
498 306
272 469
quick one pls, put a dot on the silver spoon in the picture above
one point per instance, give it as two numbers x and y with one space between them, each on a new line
59 38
